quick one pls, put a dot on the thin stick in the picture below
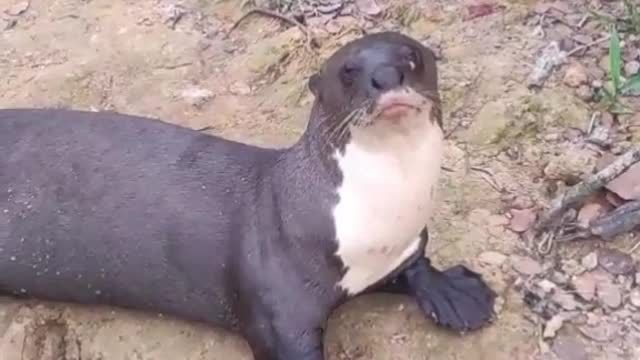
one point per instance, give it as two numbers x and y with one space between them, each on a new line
278 16
586 46
584 189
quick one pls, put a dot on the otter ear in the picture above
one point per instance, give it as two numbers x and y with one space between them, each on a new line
314 83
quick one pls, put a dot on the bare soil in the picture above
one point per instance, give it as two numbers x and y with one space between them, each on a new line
140 57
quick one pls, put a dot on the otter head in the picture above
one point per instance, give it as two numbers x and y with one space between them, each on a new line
383 83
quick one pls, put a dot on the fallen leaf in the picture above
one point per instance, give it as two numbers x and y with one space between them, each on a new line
522 220
627 185
614 199
18 8
480 10
369 7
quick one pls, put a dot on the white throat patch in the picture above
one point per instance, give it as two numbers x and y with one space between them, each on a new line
386 197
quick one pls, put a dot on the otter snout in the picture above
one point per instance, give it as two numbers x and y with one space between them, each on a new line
386 77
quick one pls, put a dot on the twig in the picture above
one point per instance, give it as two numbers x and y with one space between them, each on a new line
586 46
279 16
489 178
621 220
584 189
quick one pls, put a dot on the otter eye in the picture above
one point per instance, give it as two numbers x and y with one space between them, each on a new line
411 58
348 73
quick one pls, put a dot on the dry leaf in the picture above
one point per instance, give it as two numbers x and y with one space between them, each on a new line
614 199
522 220
480 10
627 185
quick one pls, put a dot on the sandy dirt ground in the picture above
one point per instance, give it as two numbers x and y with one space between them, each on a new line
171 60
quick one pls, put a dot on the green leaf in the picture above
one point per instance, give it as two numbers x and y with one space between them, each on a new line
606 95
632 84
615 59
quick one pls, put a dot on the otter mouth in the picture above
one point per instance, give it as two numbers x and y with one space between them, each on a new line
397 104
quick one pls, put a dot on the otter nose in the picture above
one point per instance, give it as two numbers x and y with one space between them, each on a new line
386 78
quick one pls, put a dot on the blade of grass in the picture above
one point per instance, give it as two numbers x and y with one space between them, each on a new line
615 60
632 84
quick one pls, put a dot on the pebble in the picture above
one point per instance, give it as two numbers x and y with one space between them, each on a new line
584 93
605 331
559 277
571 267
590 261
196 96
566 300
592 319
631 68
585 286
572 164
546 285
569 347
634 298
552 326
609 294
525 265
615 261
492 258
240 88
576 75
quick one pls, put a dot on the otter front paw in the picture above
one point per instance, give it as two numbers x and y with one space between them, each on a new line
456 298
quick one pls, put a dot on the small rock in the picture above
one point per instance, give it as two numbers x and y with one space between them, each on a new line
634 298
522 202
615 261
605 331
559 278
492 258
196 96
627 185
571 267
637 279
571 165
584 93
576 75
631 68
609 294
565 300
525 265
552 326
585 286
521 220
240 88
593 319
546 285
591 211
18 8
589 261
569 347
369 7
